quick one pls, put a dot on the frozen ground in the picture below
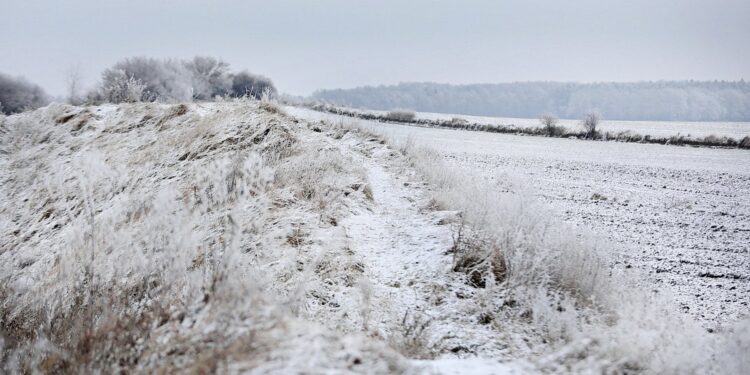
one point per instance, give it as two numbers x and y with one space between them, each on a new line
695 129
680 214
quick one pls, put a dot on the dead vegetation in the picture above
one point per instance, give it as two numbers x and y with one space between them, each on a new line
477 256
411 336
154 251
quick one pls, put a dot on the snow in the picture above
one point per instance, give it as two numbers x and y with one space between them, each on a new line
477 366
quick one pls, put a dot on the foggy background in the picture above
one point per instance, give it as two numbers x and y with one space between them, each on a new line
309 45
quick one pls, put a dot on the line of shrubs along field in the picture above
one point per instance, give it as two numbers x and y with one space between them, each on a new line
548 127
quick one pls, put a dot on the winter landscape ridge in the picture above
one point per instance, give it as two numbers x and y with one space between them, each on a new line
375 187
243 236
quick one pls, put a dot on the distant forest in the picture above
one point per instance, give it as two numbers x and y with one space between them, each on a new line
662 100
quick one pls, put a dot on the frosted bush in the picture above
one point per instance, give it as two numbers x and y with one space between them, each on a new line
201 78
119 87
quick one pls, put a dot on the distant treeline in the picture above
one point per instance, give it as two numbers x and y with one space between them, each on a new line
662 100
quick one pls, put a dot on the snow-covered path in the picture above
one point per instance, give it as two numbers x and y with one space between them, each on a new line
414 299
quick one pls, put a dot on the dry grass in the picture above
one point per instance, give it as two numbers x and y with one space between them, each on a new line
411 337
153 248
476 256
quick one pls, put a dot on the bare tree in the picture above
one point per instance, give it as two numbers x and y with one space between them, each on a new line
549 123
73 78
590 123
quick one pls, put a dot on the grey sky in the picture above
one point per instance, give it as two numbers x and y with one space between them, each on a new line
307 45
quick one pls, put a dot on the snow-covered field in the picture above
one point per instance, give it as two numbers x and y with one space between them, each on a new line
694 129
679 214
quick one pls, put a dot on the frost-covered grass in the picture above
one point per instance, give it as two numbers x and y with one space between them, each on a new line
155 238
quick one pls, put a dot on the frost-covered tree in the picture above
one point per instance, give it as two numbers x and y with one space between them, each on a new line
119 87
200 78
17 95
251 85
210 77
165 80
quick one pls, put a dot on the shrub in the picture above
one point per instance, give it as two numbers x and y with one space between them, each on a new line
17 95
745 142
590 124
251 85
676 139
549 123
712 139
458 122
120 88
400 116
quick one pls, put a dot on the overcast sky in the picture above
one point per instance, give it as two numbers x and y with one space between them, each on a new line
309 45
